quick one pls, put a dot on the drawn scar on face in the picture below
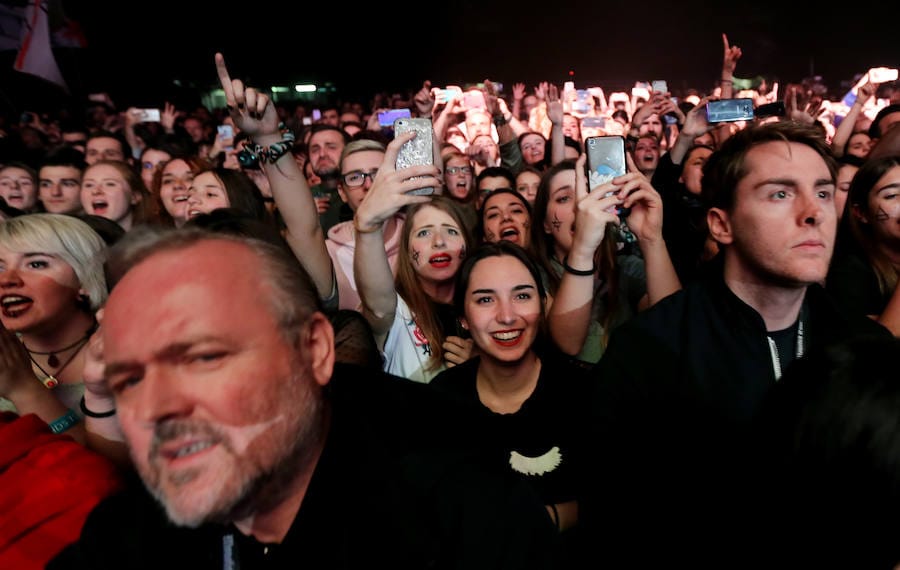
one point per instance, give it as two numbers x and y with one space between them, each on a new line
556 223
415 256
489 235
881 216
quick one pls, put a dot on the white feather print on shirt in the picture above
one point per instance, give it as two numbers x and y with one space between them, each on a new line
535 465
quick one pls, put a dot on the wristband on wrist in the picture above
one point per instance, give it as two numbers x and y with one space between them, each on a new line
253 152
64 422
90 414
579 272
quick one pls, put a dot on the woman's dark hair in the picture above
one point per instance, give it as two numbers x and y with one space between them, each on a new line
107 229
243 193
862 184
237 222
569 141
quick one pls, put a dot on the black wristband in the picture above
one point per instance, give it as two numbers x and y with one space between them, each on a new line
499 119
579 272
91 414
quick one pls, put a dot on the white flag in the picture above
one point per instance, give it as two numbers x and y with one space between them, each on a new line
35 56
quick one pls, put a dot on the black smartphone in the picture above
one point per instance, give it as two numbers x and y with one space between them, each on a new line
775 109
729 110
605 161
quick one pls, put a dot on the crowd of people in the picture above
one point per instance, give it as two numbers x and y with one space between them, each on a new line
259 346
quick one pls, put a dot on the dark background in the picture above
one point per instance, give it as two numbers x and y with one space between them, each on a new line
144 53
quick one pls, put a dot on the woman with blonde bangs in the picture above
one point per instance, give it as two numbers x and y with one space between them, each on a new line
51 284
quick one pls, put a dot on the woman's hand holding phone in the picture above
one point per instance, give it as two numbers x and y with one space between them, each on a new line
390 190
593 211
644 202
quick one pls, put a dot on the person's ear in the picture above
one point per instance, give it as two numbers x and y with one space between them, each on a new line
719 225
464 323
342 193
316 345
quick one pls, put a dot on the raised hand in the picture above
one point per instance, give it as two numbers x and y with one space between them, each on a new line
424 100
389 191
808 114
668 106
168 116
636 192
731 55
866 91
251 110
518 91
555 110
593 211
695 123
490 98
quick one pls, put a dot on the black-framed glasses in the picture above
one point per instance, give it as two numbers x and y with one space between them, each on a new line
358 177
459 170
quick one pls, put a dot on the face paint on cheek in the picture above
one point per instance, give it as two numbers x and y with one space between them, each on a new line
489 235
241 437
881 216
556 223
462 253
415 256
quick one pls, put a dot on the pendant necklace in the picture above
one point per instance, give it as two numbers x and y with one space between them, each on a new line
50 380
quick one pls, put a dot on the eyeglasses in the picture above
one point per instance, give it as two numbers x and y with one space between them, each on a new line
459 170
358 177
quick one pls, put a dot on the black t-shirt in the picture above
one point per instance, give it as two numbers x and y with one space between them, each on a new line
542 442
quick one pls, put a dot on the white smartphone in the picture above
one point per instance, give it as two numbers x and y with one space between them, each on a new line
148 115
659 86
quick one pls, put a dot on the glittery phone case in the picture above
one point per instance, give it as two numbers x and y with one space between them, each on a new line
418 151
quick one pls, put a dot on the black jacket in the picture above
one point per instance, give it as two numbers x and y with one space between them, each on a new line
392 489
675 396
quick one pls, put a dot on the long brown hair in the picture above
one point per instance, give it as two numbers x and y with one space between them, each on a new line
195 164
863 183
543 246
423 307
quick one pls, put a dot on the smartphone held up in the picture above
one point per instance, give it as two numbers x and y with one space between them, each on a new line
729 110
419 150
605 161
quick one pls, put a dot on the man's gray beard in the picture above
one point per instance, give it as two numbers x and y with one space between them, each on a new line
260 492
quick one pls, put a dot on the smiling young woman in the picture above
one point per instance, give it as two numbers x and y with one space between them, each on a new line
524 391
